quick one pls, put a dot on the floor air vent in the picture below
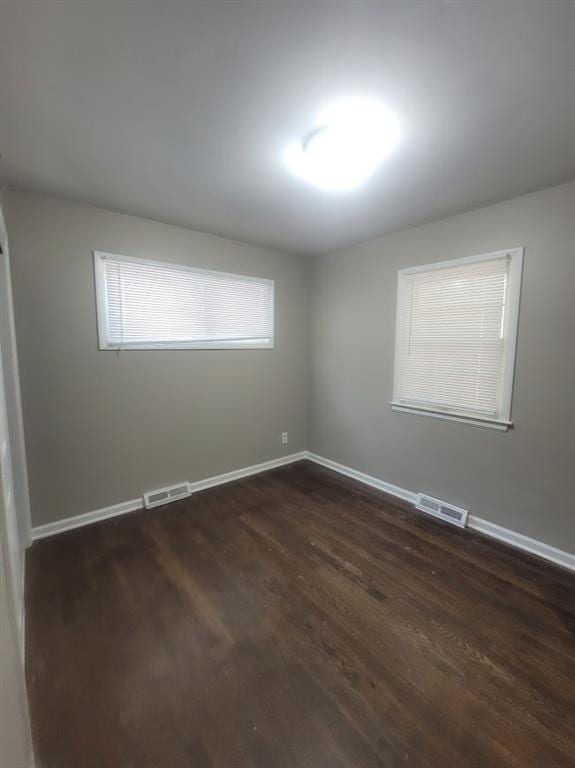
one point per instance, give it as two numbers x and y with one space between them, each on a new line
442 510
165 495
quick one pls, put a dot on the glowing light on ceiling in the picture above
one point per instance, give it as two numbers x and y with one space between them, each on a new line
348 142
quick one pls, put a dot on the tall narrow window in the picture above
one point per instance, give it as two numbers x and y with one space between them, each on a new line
152 305
455 338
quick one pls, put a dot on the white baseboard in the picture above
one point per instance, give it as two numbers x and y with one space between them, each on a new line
374 482
514 539
520 541
79 521
255 469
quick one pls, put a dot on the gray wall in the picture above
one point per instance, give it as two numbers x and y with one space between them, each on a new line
522 479
102 428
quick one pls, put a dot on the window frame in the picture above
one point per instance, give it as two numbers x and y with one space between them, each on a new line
510 331
104 342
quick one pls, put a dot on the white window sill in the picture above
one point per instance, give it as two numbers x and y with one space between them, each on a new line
474 421
142 347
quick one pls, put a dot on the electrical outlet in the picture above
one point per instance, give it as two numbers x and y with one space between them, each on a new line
284 437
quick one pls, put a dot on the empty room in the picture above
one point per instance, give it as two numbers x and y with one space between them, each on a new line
287 384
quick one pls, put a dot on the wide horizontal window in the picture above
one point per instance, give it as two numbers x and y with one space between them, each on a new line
455 338
152 305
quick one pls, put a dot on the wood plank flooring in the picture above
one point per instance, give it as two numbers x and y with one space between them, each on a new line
296 619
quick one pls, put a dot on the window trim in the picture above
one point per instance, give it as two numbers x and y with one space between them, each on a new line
511 327
104 342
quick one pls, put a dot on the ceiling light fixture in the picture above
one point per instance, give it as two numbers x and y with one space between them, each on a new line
349 140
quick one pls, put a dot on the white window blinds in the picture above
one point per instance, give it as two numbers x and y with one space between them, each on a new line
455 336
152 305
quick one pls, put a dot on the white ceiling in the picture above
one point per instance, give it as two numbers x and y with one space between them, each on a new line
180 110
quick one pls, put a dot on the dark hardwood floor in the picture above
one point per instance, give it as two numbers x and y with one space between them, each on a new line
296 619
